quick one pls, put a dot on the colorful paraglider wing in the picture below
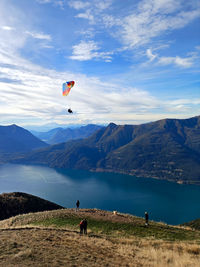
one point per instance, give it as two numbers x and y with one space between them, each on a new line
67 87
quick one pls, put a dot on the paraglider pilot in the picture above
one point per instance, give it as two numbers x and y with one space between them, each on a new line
69 110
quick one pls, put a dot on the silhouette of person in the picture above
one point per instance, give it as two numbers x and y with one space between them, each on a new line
146 218
81 226
77 205
85 226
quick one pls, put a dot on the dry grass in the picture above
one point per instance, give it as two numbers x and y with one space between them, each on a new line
57 248
45 247
24 245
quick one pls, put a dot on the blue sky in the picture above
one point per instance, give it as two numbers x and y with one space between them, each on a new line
132 61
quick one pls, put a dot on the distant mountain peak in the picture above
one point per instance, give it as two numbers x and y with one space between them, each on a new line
14 138
112 125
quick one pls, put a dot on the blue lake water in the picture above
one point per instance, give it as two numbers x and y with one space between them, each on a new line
165 201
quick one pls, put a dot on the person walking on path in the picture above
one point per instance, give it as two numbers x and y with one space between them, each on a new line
146 218
77 205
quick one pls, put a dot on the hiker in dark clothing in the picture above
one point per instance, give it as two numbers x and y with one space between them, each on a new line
81 226
85 226
146 218
77 205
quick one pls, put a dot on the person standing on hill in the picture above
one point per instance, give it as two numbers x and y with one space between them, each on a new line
81 224
85 226
146 218
77 205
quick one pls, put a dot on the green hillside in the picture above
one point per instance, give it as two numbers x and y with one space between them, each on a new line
52 238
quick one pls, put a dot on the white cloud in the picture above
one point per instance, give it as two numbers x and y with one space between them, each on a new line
86 15
79 4
93 11
7 28
41 36
103 4
181 62
89 50
151 19
88 34
182 105
150 55
59 3
155 6
84 50
140 28
110 21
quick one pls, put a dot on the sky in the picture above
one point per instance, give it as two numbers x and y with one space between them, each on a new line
132 61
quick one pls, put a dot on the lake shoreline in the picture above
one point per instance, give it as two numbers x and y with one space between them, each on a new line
146 176
166 201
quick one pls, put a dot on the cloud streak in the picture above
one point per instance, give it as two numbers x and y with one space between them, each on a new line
182 62
154 18
40 36
38 95
89 50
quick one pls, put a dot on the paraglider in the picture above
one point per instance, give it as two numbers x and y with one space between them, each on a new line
66 89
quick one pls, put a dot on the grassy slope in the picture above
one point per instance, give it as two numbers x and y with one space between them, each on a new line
52 239
195 224
12 204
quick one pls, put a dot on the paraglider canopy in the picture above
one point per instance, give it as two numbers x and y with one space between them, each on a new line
67 87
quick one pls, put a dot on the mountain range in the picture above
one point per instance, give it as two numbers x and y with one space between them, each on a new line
16 139
166 149
60 135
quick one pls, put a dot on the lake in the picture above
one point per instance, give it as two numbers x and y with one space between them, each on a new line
165 201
